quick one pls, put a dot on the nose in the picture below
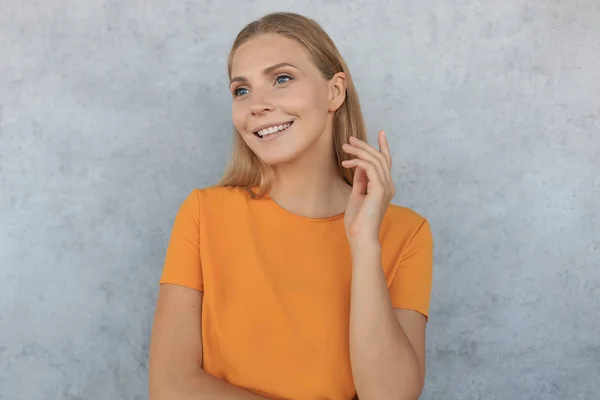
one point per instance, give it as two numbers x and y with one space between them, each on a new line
260 104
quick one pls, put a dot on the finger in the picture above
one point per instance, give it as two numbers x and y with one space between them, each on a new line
375 182
365 155
384 148
384 166
359 183
367 147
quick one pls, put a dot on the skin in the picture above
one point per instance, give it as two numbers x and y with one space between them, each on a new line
307 182
387 345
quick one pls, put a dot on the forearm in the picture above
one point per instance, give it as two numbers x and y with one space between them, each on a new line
202 386
384 363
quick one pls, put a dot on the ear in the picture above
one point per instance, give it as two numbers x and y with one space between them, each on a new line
337 91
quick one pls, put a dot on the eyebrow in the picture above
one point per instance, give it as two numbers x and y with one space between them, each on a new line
266 71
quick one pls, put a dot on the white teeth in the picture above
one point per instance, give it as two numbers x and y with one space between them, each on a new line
273 129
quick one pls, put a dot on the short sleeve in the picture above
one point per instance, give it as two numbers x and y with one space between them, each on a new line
411 286
182 261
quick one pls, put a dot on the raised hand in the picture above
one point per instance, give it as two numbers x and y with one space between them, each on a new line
372 189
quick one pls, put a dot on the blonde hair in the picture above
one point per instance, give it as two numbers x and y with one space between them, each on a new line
245 169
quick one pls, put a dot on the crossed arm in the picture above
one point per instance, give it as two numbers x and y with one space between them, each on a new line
387 346
175 370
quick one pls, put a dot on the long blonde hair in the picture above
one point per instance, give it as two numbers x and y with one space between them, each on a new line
245 169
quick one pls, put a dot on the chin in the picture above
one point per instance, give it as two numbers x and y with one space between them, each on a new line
276 159
282 154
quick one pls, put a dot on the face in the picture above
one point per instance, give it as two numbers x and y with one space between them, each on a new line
282 105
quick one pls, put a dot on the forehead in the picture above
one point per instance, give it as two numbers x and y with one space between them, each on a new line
265 50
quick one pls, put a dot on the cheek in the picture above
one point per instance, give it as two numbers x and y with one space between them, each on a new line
238 116
305 99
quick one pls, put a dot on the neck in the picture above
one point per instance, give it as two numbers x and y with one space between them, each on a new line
311 185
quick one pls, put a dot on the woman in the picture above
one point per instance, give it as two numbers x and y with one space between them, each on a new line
294 277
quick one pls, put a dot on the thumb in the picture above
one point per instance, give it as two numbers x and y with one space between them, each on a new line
359 183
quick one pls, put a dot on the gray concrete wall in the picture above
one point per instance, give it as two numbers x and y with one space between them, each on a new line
112 111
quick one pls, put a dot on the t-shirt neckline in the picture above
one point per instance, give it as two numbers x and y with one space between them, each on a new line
302 217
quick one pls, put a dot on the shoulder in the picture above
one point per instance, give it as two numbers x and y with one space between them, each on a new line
403 217
400 213
401 224
215 199
218 194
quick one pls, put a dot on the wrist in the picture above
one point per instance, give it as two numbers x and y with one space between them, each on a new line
363 246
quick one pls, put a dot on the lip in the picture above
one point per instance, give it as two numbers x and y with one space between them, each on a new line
261 127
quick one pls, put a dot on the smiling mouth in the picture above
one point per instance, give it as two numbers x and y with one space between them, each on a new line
273 130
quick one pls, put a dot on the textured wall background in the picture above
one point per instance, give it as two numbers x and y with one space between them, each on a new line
112 111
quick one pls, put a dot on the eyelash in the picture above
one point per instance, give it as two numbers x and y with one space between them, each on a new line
236 94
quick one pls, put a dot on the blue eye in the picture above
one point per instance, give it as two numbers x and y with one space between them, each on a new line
237 91
286 77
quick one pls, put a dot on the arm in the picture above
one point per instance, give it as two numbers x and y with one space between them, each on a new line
175 364
387 345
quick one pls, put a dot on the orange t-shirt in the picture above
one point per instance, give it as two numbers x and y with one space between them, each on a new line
275 314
